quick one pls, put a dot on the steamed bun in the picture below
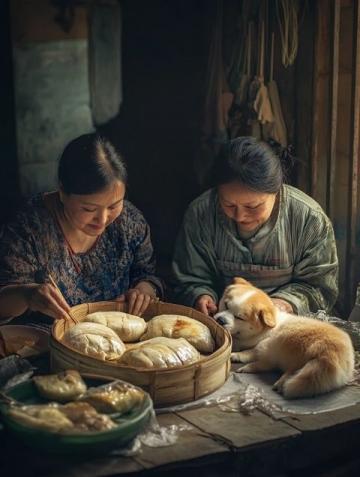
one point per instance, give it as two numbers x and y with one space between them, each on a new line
95 340
128 327
161 353
178 326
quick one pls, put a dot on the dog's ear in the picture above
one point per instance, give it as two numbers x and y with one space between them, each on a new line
240 281
267 317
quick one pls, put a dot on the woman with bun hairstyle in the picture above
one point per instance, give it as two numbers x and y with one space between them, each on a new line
86 236
252 225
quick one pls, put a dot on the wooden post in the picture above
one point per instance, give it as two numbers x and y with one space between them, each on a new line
352 253
319 160
334 108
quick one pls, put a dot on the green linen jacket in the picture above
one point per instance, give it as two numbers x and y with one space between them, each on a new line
293 256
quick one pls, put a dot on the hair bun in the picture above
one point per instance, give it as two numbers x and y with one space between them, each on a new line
285 154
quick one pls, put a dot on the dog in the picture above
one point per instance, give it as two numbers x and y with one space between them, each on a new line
314 356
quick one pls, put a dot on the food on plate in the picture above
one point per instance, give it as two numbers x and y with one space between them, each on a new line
46 417
116 397
178 326
74 417
160 353
94 340
62 387
128 327
86 418
24 346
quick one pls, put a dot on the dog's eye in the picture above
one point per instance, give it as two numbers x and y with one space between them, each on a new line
239 318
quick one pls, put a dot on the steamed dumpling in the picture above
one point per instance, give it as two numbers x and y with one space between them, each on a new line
161 353
73 418
95 340
86 418
62 387
117 397
43 416
128 327
178 326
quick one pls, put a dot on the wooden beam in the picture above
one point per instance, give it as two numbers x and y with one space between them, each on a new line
34 21
315 118
334 108
354 161
320 133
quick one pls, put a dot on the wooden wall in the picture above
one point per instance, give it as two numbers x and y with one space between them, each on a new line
51 88
165 49
165 53
34 21
330 172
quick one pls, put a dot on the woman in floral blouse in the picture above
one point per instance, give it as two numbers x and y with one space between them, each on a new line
95 244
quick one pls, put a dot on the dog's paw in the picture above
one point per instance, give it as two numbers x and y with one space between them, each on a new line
239 370
244 369
278 386
280 383
236 357
242 356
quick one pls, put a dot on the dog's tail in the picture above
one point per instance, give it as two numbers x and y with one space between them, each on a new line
319 375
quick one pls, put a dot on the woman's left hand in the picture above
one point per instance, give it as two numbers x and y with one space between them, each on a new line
138 298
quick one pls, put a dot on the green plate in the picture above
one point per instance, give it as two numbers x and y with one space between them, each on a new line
128 426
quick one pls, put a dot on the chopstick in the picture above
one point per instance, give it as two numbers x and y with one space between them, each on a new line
53 282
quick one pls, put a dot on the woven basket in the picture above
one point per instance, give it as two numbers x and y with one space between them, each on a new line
166 386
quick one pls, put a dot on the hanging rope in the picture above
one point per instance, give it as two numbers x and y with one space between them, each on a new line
287 14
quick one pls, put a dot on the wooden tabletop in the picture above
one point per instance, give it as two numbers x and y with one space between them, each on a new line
216 442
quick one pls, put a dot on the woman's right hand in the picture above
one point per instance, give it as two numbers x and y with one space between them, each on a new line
206 304
46 299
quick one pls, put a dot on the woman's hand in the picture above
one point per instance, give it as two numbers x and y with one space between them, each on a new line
46 299
138 298
283 305
206 304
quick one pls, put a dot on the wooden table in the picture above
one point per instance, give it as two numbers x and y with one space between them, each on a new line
218 443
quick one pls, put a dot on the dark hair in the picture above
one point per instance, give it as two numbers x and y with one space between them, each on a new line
250 162
89 164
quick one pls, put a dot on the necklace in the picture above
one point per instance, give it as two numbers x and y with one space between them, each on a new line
53 204
69 248
56 208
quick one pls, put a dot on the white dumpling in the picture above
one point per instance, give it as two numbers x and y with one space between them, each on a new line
45 417
161 353
178 326
95 340
62 387
128 327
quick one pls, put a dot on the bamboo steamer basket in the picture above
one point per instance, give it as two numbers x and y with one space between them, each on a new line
167 387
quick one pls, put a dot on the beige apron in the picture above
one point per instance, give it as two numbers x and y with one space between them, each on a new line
268 278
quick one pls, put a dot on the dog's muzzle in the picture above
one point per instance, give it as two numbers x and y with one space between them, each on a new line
221 320
225 319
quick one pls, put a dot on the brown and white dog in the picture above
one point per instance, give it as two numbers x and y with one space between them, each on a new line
315 356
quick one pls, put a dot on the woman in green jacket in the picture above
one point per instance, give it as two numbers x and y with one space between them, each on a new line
254 226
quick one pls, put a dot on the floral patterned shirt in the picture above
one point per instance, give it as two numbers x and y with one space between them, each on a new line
33 246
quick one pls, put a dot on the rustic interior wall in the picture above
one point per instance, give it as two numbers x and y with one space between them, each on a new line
304 106
9 187
52 99
340 193
165 55
332 162
165 47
